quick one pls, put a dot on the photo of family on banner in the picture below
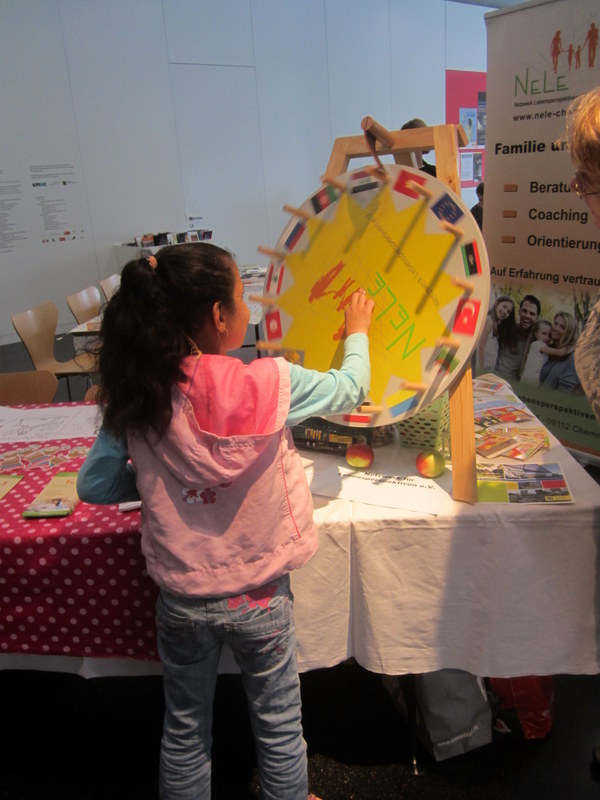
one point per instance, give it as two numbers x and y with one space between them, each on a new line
529 339
524 342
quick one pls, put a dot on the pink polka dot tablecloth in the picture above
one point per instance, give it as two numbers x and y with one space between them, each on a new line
75 585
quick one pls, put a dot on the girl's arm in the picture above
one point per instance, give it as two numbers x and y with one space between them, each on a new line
315 393
107 475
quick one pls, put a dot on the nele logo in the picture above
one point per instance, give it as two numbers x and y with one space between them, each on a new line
527 85
568 56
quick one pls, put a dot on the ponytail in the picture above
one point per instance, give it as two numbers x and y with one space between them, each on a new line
147 327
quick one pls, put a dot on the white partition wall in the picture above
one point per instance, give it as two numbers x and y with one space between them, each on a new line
137 115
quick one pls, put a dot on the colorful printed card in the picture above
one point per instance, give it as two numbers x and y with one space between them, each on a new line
522 483
57 499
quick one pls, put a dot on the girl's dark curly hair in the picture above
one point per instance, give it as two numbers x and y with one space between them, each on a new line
506 329
147 327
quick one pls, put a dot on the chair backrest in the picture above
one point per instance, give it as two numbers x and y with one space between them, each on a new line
110 285
37 330
85 304
91 394
33 386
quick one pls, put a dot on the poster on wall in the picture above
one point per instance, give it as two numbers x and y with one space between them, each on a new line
543 247
466 106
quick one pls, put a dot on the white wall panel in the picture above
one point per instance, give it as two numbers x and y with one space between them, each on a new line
219 147
38 129
417 53
221 108
209 32
121 90
466 37
293 102
358 47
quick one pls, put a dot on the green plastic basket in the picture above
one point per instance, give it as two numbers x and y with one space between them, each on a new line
429 428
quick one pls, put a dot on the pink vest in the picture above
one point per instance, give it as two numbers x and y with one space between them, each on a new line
225 502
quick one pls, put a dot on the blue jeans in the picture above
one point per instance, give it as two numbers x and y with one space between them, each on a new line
259 628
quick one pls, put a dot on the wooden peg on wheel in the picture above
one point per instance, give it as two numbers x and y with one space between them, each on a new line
422 190
463 284
330 180
413 387
446 341
267 251
297 212
453 229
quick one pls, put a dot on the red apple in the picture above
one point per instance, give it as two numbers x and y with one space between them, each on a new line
359 455
431 463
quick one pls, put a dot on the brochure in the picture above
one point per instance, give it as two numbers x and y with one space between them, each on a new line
57 499
522 483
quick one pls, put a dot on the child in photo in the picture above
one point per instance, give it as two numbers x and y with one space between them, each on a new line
540 350
500 329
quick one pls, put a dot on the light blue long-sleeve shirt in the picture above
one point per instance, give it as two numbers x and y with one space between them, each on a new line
107 476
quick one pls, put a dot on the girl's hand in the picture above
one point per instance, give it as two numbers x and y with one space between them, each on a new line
358 313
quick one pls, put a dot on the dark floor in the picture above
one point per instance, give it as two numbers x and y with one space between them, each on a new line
67 738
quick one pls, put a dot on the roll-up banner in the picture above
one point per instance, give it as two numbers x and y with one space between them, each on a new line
543 246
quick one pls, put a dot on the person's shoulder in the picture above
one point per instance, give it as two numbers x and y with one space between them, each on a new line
258 367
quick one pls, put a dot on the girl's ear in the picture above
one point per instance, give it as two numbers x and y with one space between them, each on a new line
217 318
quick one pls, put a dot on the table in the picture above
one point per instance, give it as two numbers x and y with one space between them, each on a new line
496 590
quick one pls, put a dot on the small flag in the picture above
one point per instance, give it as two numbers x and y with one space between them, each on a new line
404 178
467 314
446 360
274 279
324 198
365 187
295 235
273 325
357 418
447 209
405 405
270 277
470 255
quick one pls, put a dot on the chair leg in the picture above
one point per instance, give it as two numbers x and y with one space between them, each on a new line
68 388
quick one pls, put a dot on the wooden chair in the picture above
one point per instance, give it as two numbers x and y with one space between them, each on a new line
37 330
91 395
85 304
110 285
33 386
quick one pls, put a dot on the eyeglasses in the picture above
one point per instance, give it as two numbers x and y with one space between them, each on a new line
579 184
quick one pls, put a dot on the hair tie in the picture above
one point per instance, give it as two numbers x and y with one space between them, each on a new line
152 261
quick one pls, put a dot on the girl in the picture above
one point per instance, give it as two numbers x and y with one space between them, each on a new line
226 509
500 329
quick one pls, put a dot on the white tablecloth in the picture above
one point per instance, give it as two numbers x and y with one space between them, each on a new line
497 590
